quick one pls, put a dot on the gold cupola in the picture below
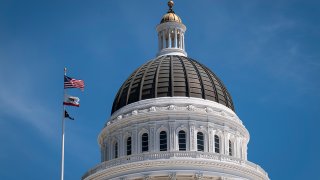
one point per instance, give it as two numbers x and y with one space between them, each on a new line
170 16
171 32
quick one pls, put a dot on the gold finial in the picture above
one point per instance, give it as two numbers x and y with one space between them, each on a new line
170 4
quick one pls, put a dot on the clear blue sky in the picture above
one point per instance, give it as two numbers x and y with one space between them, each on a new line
267 53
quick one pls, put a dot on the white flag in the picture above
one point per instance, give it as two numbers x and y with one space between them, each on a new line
71 101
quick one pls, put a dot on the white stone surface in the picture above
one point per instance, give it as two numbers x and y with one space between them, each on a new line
172 114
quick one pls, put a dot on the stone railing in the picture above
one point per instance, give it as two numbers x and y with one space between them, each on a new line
169 155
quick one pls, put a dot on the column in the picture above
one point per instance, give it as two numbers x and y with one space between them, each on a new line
240 148
109 149
175 38
134 140
121 148
182 41
102 152
159 41
152 137
172 135
223 143
163 40
192 135
210 139
245 149
170 45
236 147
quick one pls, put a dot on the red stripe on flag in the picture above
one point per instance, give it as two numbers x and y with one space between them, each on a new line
71 104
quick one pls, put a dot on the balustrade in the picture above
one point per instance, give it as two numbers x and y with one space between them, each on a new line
168 155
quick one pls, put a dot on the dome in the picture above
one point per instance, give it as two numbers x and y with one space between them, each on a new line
168 76
170 17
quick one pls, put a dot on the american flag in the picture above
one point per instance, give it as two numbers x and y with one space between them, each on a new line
73 83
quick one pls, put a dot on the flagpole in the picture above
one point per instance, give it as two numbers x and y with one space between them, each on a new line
63 118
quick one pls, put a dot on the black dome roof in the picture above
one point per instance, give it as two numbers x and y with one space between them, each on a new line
168 76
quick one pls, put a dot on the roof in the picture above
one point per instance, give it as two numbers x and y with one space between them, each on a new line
169 76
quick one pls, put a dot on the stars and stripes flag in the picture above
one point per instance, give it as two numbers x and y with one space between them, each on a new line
71 101
73 83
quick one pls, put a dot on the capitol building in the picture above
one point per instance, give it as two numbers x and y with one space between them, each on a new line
174 119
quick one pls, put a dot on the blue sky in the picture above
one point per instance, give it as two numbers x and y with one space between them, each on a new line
267 53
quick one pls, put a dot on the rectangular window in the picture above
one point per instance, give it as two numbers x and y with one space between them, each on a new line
145 142
163 141
200 141
216 144
129 146
182 141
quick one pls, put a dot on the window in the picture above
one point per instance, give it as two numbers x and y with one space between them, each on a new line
116 150
200 141
230 148
182 141
145 142
163 141
216 144
129 146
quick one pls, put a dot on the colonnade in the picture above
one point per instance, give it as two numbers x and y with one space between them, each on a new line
171 38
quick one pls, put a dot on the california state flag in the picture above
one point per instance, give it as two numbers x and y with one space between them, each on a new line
71 101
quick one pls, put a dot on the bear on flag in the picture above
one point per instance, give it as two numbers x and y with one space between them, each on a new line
71 101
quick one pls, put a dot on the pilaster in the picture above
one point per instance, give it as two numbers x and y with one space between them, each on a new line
152 138
175 38
192 136
172 133
134 140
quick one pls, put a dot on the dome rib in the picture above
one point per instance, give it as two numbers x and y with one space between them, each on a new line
200 78
156 78
186 76
142 80
172 76
224 90
134 78
212 81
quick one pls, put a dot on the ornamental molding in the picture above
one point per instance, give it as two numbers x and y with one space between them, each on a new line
163 109
198 176
173 176
211 106
171 25
193 161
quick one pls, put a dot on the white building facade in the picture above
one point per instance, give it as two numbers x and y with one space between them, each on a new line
173 119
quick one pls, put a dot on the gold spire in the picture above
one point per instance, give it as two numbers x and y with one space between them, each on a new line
170 4
170 16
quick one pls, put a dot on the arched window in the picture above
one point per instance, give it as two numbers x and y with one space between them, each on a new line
163 141
216 144
200 141
230 148
145 142
116 150
182 141
129 146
